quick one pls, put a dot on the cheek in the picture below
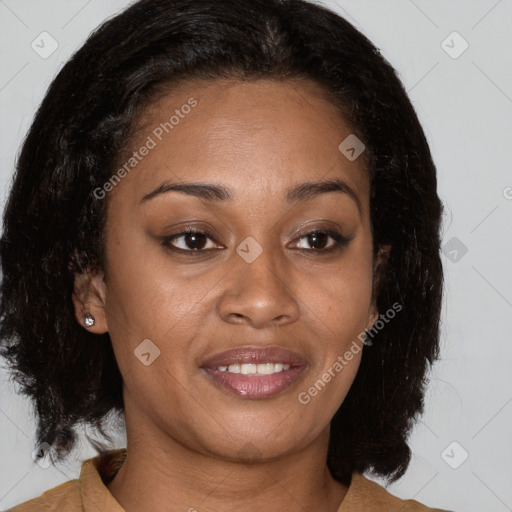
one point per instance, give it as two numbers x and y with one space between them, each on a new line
340 306
140 281
340 310
150 298
341 299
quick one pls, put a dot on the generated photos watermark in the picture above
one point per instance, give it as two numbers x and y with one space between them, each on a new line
304 397
152 141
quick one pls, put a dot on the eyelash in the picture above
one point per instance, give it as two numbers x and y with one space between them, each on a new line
340 241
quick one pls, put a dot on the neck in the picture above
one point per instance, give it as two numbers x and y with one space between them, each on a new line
161 474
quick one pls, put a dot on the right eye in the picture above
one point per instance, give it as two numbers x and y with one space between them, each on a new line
191 241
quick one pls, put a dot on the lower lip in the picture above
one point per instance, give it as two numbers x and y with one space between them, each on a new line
253 386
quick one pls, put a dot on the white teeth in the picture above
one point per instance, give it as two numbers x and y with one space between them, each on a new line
246 369
266 368
259 369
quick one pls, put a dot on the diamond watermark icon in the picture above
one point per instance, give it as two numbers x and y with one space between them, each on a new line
352 148
454 455
454 45
454 249
44 45
43 455
249 249
147 352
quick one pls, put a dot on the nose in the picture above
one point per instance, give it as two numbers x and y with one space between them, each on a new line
259 294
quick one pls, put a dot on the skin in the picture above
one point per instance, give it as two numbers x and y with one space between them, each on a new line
190 442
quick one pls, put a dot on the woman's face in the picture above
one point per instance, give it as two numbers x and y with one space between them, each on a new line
190 316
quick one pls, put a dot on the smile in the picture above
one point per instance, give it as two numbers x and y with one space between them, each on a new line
259 369
254 373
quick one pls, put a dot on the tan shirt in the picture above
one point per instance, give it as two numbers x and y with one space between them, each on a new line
90 494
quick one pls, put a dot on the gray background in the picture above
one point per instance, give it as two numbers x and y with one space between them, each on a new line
464 101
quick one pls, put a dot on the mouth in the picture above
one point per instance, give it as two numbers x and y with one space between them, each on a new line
255 373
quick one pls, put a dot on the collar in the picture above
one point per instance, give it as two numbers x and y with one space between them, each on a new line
96 473
363 494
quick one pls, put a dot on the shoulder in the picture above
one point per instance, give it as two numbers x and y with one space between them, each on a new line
364 494
86 494
65 496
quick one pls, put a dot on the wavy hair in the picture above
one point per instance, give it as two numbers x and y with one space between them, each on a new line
53 223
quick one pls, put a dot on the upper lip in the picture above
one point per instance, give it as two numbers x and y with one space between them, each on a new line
255 355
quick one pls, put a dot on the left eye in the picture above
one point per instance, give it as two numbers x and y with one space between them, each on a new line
318 239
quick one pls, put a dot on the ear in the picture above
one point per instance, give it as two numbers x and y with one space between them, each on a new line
89 296
380 263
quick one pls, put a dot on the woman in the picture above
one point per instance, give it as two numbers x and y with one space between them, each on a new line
233 226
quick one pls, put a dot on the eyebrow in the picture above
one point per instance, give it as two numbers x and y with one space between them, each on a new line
219 193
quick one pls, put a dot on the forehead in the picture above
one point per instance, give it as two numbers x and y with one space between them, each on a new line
256 137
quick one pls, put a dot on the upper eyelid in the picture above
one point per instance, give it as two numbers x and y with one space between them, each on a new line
209 235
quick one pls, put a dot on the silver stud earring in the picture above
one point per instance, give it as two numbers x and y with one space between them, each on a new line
88 320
